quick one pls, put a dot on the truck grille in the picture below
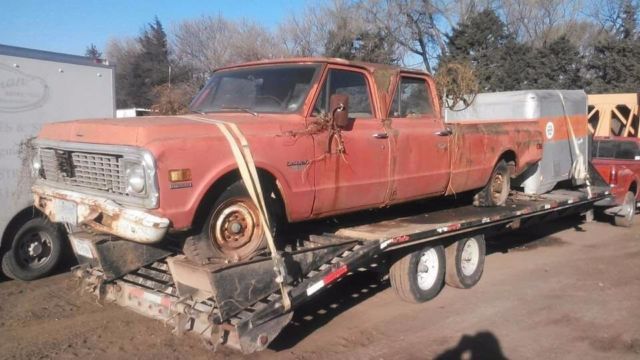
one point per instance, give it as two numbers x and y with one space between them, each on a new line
83 169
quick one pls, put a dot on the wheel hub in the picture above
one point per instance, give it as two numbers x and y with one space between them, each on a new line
469 257
427 269
34 249
235 230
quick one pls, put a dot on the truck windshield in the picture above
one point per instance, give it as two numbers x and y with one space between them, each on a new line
270 89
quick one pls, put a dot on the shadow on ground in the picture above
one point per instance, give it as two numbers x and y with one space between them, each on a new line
483 345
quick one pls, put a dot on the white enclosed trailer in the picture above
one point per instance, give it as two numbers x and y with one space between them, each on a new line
37 87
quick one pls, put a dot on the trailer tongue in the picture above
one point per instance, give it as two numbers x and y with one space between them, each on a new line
240 305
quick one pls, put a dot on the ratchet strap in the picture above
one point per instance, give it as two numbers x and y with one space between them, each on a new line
242 153
578 169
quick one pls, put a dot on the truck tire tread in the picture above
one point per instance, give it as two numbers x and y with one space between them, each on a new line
403 276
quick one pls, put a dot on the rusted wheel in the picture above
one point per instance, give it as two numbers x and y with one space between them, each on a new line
233 231
496 192
234 228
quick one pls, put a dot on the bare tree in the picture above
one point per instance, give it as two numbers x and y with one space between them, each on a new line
538 22
418 26
209 42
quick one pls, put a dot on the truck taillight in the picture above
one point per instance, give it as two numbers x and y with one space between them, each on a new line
613 176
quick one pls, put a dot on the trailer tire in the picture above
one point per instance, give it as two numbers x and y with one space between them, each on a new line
465 262
35 252
232 231
628 210
419 276
496 192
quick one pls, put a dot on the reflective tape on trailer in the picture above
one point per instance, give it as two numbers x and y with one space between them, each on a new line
327 279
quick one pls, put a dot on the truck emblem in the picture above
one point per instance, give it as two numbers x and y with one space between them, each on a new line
181 185
297 164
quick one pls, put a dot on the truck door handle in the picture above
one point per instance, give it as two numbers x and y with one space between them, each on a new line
381 135
445 132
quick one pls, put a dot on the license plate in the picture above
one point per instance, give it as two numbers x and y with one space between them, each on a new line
65 211
82 248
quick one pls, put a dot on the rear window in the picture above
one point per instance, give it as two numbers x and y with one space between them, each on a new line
622 150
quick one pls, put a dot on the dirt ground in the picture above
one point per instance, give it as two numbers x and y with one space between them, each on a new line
563 290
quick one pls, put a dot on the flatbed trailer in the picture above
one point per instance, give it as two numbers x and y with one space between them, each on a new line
241 304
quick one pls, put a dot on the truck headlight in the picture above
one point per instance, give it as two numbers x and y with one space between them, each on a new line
36 165
136 179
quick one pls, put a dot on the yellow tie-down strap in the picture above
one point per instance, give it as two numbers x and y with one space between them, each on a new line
242 154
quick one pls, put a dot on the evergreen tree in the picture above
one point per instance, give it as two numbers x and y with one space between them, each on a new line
150 68
613 65
499 61
93 52
556 65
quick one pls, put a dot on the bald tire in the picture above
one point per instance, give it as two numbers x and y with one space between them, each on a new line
455 276
404 279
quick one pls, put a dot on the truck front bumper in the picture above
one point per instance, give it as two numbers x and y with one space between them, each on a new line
101 214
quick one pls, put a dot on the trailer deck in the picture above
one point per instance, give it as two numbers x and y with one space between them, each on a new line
240 305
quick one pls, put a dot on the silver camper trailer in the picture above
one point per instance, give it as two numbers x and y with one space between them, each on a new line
37 87
562 115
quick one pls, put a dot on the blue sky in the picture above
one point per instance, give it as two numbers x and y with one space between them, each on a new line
70 26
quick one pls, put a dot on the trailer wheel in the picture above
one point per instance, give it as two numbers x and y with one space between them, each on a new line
35 251
465 262
496 192
419 276
628 211
232 231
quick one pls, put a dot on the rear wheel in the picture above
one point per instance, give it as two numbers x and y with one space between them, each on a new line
233 231
495 193
465 262
419 276
35 251
628 211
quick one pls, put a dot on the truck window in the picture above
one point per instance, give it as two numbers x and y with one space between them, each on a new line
627 150
411 99
271 89
604 149
623 150
351 83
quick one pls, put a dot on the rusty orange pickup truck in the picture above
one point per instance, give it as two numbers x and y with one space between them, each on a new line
328 136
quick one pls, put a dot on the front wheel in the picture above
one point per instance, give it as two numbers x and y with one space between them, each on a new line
35 251
232 232
418 277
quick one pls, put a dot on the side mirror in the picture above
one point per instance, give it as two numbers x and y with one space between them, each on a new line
339 105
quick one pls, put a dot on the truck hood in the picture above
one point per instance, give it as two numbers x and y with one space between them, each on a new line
141 131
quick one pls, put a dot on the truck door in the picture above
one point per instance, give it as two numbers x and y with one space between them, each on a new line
359 176
421 155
